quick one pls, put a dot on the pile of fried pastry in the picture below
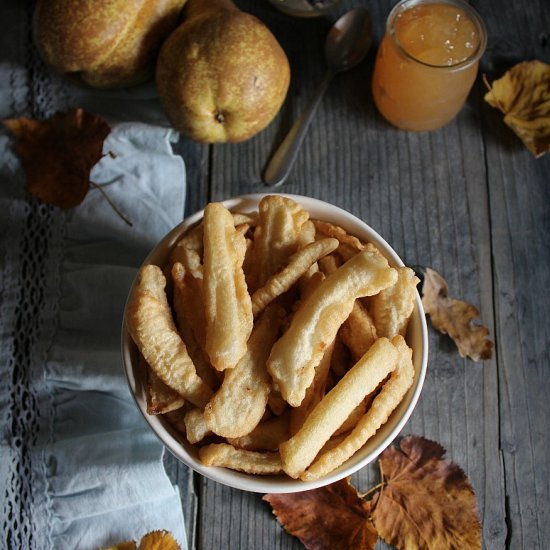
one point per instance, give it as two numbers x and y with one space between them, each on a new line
273 342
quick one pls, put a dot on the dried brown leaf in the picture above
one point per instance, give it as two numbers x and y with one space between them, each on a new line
334 517
59 153
523 95
455 318
426 502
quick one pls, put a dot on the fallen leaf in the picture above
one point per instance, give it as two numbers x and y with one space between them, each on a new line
158 540
426 502
58 154
523 95
332 517
455 318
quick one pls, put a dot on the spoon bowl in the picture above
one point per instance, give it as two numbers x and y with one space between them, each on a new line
347 43
349 40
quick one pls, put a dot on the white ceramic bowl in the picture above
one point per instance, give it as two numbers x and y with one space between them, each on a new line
186 453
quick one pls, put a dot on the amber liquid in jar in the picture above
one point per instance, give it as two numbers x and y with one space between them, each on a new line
427 63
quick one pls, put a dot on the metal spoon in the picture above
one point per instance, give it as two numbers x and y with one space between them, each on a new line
346 45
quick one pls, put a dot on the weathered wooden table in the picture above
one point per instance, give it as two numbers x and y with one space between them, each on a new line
468 200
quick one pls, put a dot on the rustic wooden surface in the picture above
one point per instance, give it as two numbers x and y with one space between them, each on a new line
468 200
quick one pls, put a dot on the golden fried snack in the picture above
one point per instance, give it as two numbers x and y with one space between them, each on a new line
314 393
195 426
393 306
238 406
189 310
149 321
358 331
188 251
337 232
160 398
349 245
309 283
329 264
306 236
314 326
298 264
248 218
330 413
276 236
227 304
251 462
384 403
266 436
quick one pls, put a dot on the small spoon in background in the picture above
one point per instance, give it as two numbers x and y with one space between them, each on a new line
347 43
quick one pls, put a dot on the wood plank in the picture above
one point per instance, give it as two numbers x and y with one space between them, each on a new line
520 224
520 219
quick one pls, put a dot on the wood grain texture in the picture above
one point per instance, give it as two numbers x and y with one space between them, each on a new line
467 200
520 220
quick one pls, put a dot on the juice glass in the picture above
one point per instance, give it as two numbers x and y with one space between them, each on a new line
427 62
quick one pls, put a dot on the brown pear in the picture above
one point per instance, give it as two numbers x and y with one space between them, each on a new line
221 75
107 43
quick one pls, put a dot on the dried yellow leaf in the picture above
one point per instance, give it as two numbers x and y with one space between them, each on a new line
158 540
523 95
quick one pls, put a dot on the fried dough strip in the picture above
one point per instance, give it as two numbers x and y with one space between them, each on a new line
349 245
298 264
276 236
314 393
189 309
160 398
228 309
188 251
393 306
314 326
195 426
238 406
331 230
392 393
331 412
266 436
149 321
251 462
248 218
358 331
306 236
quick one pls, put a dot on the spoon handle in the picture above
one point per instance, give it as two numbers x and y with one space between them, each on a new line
282 161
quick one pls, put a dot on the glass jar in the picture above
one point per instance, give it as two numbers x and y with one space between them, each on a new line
427 62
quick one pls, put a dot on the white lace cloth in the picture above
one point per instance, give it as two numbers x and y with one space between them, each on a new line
79 468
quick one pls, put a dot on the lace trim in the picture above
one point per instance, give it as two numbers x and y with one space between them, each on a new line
28 310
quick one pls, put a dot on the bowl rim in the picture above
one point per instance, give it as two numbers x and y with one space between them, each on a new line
281 483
